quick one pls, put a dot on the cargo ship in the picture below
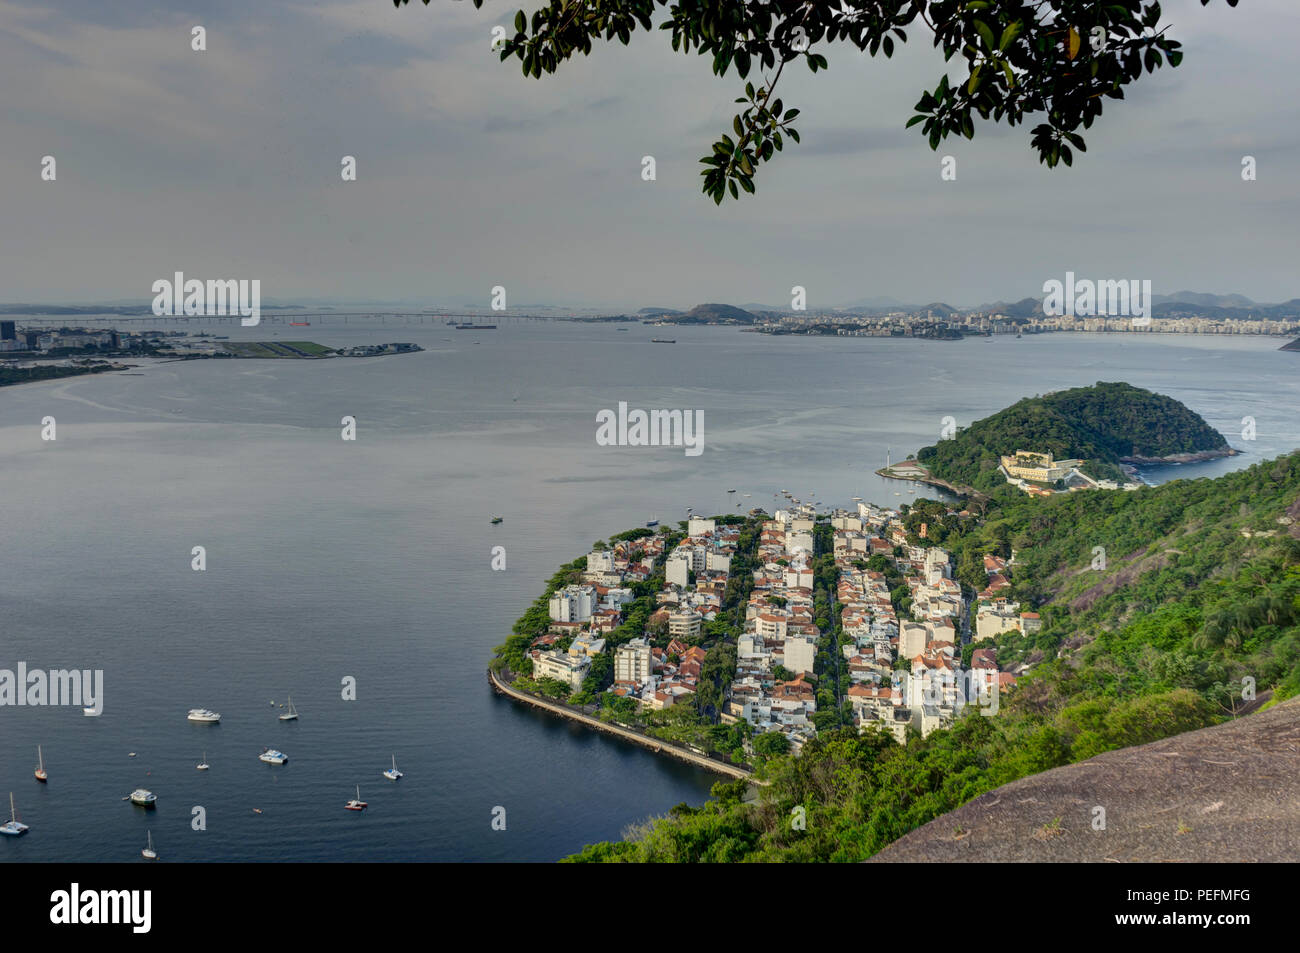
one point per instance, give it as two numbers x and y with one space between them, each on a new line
476 327
299 324
663 340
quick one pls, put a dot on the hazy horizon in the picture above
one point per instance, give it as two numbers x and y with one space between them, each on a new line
226 163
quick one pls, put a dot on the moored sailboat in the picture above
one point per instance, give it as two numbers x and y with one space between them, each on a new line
40 766
392 773
13 827
356 804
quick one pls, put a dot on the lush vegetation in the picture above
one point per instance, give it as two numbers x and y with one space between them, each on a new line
1103 425
1192 608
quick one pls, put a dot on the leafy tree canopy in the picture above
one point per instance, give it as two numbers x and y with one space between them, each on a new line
1057 59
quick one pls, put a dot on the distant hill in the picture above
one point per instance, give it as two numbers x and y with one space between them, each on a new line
657 312
1211 300
1106 424
712 314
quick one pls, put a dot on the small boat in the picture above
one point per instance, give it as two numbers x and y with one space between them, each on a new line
271 756
291 714
90 712
356 804
40 766
651 524
496 519
731 491
392 773
142 798
299 324
13 827
130 754
203 765
663 341
149 853
204 715
257 810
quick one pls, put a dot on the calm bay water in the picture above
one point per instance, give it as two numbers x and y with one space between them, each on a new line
370 559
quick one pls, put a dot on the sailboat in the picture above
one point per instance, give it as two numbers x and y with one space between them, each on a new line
291 714
149 853
40 766
14 827
356 804
392 773
203 765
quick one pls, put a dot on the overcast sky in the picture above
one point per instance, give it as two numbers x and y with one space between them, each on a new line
226 164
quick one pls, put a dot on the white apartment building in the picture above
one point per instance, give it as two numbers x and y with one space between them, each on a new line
700 527
573 604
632 662
677 569
684 625
800 654
571 669
600 560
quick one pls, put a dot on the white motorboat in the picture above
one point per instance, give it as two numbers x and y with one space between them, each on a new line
271 756
392 773
13 827
204 715
143 798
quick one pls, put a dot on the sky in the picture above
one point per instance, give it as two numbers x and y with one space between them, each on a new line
226 163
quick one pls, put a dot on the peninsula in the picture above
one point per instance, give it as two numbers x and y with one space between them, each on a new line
925 655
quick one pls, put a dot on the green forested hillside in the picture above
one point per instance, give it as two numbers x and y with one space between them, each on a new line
1159 639
1102 424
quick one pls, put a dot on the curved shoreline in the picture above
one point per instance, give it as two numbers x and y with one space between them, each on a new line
655 744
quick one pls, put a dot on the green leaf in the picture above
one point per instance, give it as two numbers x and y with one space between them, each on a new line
1010 33
985 33
913 121
520 22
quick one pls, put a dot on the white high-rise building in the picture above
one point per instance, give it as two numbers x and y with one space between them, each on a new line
632 661
573 604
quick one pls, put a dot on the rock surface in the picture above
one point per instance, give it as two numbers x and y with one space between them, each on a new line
1230 793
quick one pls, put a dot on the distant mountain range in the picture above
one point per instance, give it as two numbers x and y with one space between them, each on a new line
1178 304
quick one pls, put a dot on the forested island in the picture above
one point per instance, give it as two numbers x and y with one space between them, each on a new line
1107 425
